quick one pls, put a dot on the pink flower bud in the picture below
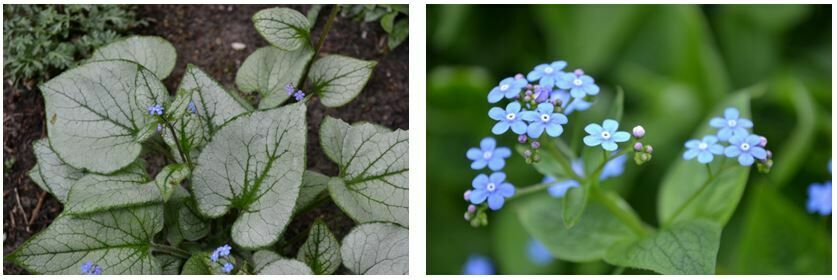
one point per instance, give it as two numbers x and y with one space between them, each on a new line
467 195
639 131
649 149
762 141
472 208
518 76
638 147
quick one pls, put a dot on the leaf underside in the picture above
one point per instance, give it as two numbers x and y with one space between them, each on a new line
376 248
339 79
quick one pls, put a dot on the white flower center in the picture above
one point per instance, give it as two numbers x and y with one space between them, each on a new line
702 146
487 155
545 117
491 187
745 147
577 82
548 70
605 135
732 123
504 87
511 116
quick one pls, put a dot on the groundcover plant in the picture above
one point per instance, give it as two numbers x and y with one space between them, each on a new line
580 220
235 175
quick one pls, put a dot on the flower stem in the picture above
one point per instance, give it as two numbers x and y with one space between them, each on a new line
174 251
320 42
183 156
530 190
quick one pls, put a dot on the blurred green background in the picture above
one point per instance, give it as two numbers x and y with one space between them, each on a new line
674 63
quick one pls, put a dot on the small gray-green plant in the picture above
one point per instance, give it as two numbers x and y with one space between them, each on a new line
234 175
40 40
393 19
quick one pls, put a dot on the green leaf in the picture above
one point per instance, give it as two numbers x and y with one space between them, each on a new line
688 247
269 69
321 252
255 164
511 244
182 220
152 52
588 240
270 263
170 265
51 173
168 180
95 193
95 113
575 201
388 20
339 79
285 28
374 165
118 241
376 248
399 33
313 184
685 178
215 106
197 264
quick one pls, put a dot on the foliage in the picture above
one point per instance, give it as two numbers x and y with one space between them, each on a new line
41 40
234 176
393 18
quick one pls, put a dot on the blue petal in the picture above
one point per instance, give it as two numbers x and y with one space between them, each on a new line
535 129
732 151
758 152
558 119
479 164
621 136
488 144
717 123
496 164
716 149
518 127
725 134
692 144
554 130
513 107
705 157
559 189
534 75
495 202
478 196
546 108
497 177
745 123
547 81
495 95
610 125
592 141
479 182
591 89
577 92
745 159
690 154
502 152
593 129
753 140
609 146
558 65
731 114
529 116
506 190
614 167
497 114
500 128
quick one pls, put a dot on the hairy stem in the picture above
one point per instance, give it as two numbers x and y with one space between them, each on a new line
174 251
183 156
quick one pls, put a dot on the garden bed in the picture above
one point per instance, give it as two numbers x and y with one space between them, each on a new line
202 35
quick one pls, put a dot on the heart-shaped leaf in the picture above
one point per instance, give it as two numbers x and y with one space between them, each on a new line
96 111
688 247
152 52
374 166
128 187
399 33
313 183
118 241
321 252
269 69
51 173
254 163
197 264
169 179
270 263
376 248
339 79
170 265
285 28
182 220
214 105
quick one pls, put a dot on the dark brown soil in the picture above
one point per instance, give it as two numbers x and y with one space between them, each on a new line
202 35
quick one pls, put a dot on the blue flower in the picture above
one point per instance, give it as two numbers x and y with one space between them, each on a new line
192 107
819 198
612 168
299 95
745 147
507 118
577 104
509 87
541 94
224 250
578 85
703 149
605 135
289 88
155 110
548 74
730 124
227 268
559 189
214 256
538 253
542 119
488 154
478 265
493 188
88 268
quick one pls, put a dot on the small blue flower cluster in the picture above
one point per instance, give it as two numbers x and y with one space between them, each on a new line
733 129
155 109
222 253
492 189
88 268
297 94
542 107
819 197
192 107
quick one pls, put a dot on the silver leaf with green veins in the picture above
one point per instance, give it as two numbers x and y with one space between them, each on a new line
152 52
374 168
51 173
118 241
255 164
376 248
129 187
339 79
285 28
99 109
321 251
313 183
270 263
269 69
215 106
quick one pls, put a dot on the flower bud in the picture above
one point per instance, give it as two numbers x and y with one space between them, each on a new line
518 76
467 195
472 208
536 145
578 72
762 141
649 149
769 154
638 147
527 153
159 128
527 98
522 138
536 158
467 216
639 132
